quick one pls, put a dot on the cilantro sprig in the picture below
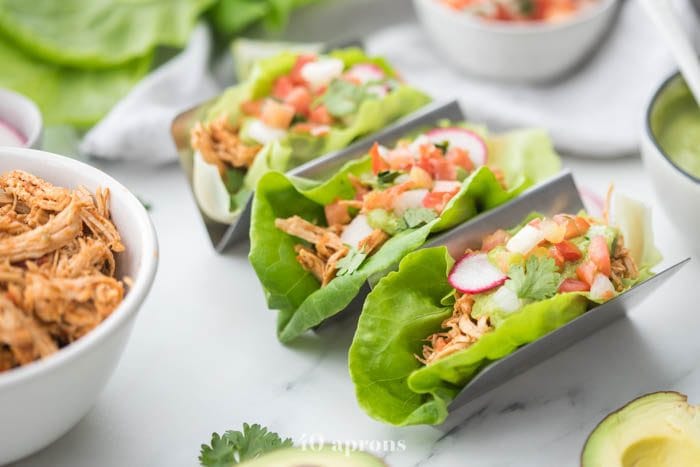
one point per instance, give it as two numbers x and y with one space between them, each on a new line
350 262
537 280
234 447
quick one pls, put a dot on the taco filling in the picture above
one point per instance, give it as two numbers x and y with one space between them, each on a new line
546 256
409 186
295 107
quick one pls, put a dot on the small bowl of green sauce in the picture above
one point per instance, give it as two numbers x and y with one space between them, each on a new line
671 152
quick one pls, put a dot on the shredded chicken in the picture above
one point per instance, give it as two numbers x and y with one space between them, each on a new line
622 265
219 144
460 331
327 248
57 266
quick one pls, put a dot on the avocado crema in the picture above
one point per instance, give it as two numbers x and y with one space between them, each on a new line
325 456
657 430
675 122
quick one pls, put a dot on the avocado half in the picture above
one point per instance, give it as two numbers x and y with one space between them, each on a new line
657 430
323 457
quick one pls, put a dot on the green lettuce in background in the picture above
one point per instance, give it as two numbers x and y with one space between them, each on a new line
296 293
409 305
77 58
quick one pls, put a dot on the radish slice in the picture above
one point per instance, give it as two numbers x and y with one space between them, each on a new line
464 139
366 72
506 300
474 273
409 199
262 133
322 72
446 186
357 230
525 240
602 288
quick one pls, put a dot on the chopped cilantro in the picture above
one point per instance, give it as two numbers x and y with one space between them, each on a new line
418 216
343 98
234 447
386 177
443 146
538 280
350 262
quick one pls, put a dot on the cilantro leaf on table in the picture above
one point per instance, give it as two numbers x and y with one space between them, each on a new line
234 447
350 262
538 280
418 216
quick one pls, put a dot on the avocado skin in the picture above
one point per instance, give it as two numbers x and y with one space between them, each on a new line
323 457
677 404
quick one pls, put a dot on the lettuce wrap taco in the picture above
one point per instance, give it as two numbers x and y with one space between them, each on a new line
294 107
428 329
314 244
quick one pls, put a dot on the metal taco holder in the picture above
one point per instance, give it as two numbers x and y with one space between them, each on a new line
558 195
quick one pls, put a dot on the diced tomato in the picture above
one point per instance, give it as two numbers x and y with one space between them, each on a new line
295 74
321 115
378 162
460 157
443 169
282 87
384 199
438 200
572 285
276 114
251 108
299 98
586 272
556 256
400 159
575 225
568 251
337 213
600 255
498 238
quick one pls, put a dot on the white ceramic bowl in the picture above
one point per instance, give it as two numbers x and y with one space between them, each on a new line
41 401
522 52
678 191
23 115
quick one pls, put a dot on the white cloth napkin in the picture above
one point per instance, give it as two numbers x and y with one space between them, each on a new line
138 127
597 112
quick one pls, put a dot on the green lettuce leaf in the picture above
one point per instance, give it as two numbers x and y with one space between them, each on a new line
233 16
97 33
301 302
65 94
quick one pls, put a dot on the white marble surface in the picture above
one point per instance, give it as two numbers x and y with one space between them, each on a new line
203 357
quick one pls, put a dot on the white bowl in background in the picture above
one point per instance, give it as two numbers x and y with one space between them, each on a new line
41 401
22 115
677 191
518 52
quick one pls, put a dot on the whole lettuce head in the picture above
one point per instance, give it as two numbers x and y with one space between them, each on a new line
301 301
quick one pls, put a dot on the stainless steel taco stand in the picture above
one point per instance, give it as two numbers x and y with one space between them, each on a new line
556 196
224 236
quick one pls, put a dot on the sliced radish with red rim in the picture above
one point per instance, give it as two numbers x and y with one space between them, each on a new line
474 274
462 138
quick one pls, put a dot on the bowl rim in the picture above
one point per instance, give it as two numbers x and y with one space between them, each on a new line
133 299
650 134
30 108
525 28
